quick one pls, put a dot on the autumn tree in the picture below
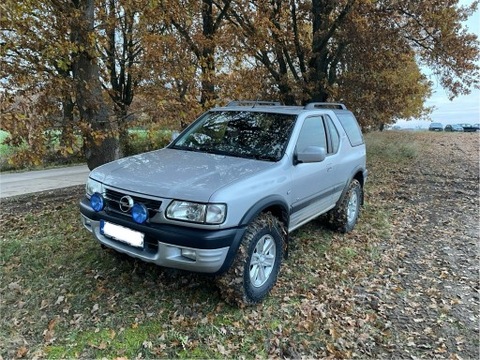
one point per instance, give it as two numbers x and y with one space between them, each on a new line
187 56
328 50
198 24
53 51
89 65
101 143
378 76
120 47
49 53
35 72
170 89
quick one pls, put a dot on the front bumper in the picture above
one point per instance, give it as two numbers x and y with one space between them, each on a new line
166 245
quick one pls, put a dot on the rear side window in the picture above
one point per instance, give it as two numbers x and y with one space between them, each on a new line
352 129
334 138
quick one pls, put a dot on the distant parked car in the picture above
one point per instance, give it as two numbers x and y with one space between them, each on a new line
468 127
477 126
435 127
454 128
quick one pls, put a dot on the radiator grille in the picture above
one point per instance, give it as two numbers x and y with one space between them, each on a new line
113 198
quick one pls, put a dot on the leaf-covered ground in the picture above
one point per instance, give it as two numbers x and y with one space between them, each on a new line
403 284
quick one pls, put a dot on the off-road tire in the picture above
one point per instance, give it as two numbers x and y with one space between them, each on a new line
341 218
236 284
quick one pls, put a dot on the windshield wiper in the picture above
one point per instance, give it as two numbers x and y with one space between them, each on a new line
265 157
256 156
211 150
203 149
186 148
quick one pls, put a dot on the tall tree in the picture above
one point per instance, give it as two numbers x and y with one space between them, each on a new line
312 49
200 31
36 65
119 46
49 56
434 31
170 90
328 18
101 142
263 37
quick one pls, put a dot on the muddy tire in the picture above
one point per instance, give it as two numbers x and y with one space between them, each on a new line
344 216
257 263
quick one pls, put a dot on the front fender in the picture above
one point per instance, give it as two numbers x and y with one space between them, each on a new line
277 204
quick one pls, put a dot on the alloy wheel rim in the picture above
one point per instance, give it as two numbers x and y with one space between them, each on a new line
262 261
352 207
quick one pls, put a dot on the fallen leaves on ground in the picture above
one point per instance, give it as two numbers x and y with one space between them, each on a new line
403 284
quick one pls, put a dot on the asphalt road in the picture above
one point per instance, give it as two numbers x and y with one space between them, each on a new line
13 184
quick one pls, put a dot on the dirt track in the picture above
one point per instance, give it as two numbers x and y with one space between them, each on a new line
429 289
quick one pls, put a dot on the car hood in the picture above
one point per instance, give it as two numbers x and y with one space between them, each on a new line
177 174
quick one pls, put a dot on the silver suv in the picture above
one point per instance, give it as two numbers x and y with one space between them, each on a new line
224 196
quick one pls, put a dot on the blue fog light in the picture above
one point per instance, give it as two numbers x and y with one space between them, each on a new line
139 213
97 202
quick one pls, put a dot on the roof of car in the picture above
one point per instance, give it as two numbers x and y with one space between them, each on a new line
277 107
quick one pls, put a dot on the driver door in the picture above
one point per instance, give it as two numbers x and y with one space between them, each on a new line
313 183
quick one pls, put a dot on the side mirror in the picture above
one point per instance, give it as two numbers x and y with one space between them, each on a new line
311 154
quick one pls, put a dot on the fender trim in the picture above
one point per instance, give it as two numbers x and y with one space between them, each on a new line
259 206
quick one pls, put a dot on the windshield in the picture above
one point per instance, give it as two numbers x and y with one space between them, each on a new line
256 135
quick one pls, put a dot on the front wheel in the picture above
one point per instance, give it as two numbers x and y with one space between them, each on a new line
344 216
256 266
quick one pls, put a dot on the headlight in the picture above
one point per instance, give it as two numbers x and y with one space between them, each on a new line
92 187
215 213
195 212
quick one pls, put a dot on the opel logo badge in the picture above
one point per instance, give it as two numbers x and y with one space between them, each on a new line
126 203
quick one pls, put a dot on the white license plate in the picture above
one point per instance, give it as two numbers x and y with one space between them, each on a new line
121 233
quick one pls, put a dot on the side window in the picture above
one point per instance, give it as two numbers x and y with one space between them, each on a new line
312 134
334 138
352 129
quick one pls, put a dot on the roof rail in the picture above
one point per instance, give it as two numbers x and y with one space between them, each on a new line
254 103
325 105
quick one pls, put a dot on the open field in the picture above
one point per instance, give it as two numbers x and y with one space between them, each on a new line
403 284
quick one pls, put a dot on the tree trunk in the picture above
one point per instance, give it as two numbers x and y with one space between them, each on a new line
101 144
319 60
67 137
121 114
208 55
324 60
120 66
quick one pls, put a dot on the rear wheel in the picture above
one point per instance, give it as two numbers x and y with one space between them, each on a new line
345 215
256 266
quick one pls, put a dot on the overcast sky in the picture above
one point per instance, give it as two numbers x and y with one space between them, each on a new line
463 109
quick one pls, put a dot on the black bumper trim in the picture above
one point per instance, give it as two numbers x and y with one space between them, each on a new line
172 234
